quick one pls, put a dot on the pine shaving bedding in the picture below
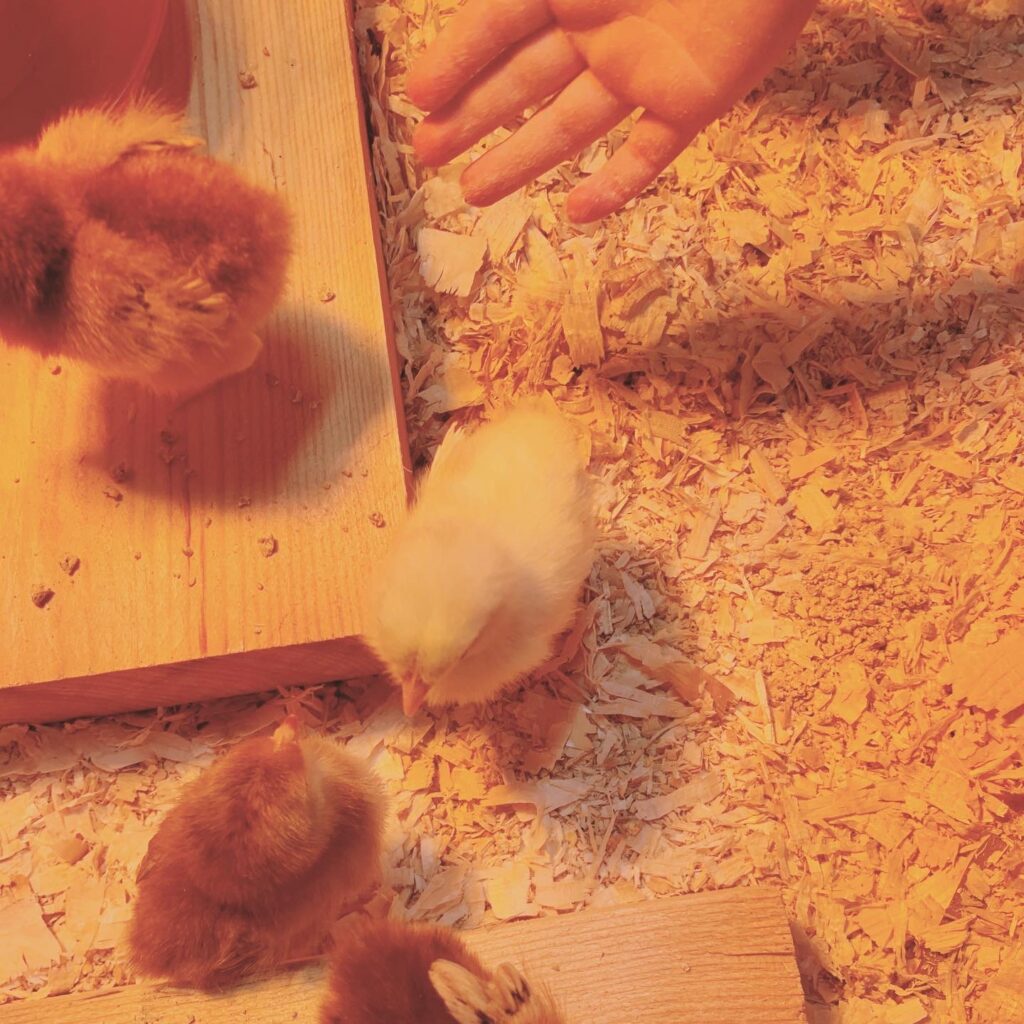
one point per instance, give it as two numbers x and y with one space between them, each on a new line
800 661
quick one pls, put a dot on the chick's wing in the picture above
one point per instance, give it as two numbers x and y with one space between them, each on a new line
133 307
213 223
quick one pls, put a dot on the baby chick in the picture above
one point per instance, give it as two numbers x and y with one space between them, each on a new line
486 570
253 865
387 971
124 246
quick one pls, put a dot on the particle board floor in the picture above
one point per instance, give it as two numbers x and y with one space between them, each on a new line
186 549
714 958
802 655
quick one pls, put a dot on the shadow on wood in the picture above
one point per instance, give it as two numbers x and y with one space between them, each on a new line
286 429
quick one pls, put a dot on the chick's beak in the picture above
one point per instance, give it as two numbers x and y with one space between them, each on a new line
414 693
286 733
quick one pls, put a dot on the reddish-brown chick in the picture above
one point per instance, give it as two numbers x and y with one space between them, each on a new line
383 972
254 864
124 246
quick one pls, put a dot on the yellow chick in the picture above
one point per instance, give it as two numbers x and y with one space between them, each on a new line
486 570
383 972
124 246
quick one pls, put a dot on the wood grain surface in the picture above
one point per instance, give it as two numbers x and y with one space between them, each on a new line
710 958
246 521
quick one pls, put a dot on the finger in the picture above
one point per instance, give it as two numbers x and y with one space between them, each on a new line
478 33
650 148
537 68
579 15
582 112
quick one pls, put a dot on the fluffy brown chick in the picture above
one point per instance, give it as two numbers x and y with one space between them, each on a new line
382 972
124 246
253 865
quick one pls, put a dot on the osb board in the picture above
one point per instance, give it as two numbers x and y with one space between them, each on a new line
244 524
764 533
714 958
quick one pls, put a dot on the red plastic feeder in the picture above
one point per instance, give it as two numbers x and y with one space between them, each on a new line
59 54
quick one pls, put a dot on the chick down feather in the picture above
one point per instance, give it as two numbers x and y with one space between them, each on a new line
486 570
124 246
255 862
384 972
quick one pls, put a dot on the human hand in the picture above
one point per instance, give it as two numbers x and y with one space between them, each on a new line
683 62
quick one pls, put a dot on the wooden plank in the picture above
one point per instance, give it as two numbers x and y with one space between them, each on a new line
176 596
187 681
709 958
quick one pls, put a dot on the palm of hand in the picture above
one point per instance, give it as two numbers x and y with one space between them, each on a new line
683 62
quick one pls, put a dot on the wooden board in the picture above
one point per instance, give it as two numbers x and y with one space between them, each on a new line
710 958
165 507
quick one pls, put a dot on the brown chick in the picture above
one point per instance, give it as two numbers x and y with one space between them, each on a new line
383 972
254 864
124 246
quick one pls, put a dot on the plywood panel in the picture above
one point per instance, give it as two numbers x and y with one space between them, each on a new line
711 958
169 510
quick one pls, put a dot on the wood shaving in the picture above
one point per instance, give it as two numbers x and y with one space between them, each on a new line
450 262
798 358
29 945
